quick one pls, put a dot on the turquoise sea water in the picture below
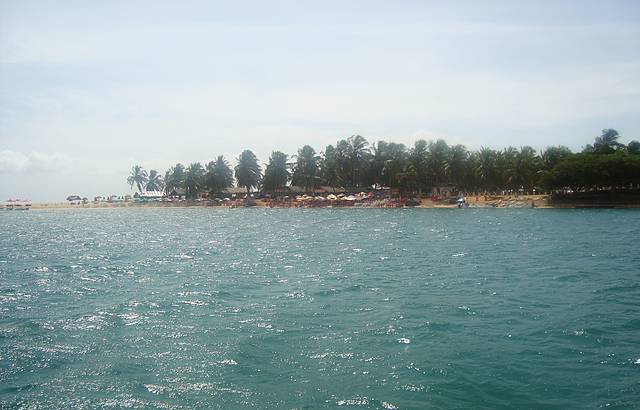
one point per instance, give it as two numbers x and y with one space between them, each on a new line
295 308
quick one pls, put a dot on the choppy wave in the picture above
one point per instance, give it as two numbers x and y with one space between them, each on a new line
196 308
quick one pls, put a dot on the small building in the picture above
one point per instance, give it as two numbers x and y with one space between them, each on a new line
151 195
179 193
444 191
320 190
74 199
234 190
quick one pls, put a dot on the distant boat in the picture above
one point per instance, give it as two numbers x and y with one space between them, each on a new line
17 205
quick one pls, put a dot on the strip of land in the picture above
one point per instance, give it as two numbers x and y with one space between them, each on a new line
504 201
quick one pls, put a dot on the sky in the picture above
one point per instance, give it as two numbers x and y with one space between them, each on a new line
90 88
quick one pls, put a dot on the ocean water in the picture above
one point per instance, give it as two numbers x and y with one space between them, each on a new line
320 308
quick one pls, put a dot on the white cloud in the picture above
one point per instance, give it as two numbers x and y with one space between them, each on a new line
16 162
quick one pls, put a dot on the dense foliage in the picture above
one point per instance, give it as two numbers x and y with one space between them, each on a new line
248 170
355 164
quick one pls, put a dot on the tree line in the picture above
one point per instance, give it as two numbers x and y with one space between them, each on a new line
355 164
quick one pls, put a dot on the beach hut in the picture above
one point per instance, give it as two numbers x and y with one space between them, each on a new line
74 199
151 195
178 194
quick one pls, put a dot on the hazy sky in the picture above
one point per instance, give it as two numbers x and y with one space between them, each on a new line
90 88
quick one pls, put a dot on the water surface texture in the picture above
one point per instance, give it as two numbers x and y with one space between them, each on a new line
295 308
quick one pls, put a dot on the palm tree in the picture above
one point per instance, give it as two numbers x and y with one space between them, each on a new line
276 174
633 147
437 161
248 171
305 170
471 180
419 160
506 168
343 162
138 177
408 178
219 175
155 181
174 178
486 168
524 169
553 155
329 167
607 142
455 164
389 161
193 180
358 155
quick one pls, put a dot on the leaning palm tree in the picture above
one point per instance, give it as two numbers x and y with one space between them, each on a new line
138 177
607 142
248 171
155 181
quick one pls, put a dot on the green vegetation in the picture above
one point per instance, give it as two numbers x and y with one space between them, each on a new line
194 180
219 176
155 182
276 174
248 171
174 179
305 169
138 177
355 164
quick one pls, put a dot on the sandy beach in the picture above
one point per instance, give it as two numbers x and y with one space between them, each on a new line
538 201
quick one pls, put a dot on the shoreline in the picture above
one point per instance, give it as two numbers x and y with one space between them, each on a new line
538 201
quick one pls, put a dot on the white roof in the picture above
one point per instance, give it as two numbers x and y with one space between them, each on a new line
152 194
